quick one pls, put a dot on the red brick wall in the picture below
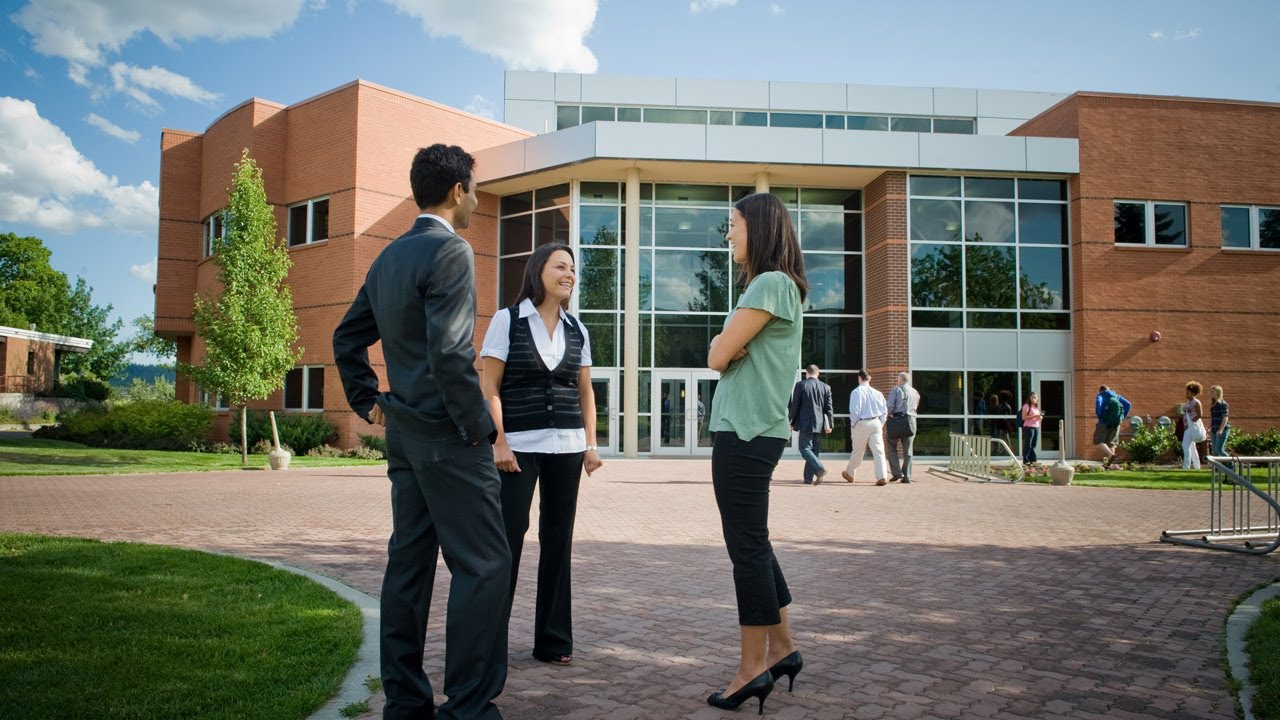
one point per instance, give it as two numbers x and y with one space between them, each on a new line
888 316
1216 310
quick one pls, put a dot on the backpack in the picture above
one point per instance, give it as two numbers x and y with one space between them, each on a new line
1017 420
1113 411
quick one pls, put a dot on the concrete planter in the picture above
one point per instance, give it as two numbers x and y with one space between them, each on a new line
1061 473
278 457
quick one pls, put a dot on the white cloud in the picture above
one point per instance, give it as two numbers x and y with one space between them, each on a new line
84 31
482 106
136 81
110 128
31 73
78 74
698 6
775 8
1157 35
526 35
145 272
46 182
1178 34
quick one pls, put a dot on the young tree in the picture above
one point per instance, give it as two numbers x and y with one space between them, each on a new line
249 329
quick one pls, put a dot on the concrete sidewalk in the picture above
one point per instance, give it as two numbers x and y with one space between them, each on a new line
936 599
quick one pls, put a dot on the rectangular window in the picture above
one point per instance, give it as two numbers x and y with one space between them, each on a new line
795 120
754 119
309 222
1251 227
721 117
566 116
31 363
592 114
910 124
668 115
953 126
213 227
1150 223
304 388
835 122
629 114
212 400
867 122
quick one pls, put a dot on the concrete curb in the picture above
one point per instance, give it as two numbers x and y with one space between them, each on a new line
353 689
1245 614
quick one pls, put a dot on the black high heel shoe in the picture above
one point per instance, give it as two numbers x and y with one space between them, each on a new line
789 666
760 687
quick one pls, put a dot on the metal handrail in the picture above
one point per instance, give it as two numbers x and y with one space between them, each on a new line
1231 524
971 458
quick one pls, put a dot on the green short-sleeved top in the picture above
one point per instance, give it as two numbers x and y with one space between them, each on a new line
751 398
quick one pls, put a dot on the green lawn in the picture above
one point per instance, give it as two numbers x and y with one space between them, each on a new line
56 457
1264 661
119 630
1153 479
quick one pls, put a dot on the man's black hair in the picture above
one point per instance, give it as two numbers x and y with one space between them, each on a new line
436 170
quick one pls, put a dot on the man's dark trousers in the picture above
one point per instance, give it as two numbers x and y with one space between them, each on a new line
445 494
810 446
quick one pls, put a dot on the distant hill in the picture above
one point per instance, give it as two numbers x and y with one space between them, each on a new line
147 373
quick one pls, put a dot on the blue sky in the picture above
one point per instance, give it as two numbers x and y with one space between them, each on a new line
87 85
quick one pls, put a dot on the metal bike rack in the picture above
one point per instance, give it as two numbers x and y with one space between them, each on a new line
971 459
1243 517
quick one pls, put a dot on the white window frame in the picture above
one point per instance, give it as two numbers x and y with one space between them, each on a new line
311 222
1255 227
208 235
1149 222
213 400
306 391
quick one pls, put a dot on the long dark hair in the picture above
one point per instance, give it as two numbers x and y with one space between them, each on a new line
531 287
771 241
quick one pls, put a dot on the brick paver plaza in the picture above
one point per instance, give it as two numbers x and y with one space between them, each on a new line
937 599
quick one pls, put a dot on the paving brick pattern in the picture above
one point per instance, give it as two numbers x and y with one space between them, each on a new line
934 600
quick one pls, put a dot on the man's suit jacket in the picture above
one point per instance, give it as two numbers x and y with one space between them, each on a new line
419 299
811 405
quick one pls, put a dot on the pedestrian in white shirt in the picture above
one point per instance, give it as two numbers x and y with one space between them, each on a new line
867 413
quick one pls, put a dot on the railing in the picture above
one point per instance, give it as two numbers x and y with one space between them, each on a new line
15 383
1243 517
971 458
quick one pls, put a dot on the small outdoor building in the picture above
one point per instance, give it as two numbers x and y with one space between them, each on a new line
30 361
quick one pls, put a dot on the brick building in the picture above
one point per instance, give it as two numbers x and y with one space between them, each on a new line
992 242
31 361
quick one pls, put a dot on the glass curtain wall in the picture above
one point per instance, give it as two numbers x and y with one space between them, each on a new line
688 282
986 254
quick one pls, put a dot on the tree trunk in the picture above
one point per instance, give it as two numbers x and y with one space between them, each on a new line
244 435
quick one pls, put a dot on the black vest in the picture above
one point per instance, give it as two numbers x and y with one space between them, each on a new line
535 397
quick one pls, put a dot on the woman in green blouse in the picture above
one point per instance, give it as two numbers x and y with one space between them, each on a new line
757 355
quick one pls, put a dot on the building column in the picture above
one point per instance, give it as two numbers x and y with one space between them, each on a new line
887 277
762 181
631 317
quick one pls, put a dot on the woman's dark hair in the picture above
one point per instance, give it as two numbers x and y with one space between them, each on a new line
531 287
1029 396
436 170
1194 387
771 241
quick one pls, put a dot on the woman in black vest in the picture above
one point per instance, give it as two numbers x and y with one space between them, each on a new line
536 378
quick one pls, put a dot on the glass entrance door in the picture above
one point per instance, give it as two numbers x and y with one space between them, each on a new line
682 411
604 383
1054 395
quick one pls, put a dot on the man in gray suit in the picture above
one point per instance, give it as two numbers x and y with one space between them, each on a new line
419 299
903 400
811 416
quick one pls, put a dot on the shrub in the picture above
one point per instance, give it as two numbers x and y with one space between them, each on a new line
326 451
144 425
1150 443
158 389
28 410
297 430
365 453
224 449
373 442
1266 442
84 388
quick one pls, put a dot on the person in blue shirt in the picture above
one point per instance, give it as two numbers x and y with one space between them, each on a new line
1107 433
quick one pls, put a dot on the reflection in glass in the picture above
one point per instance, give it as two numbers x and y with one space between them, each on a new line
842 383
599 225
867 122
668 115
940 392
1235 227
989 277
1131 221
1269 228
682 340
910 124
952 126
1171 224
551 226
835 122
935 275
937 319
646 276
789 196
602 328
976 187
566 116
599 192
696 281
552 196
1046 321
512 273
691 227
992 393
795 120
671 412
834 283
644 439
592 114
1043 280
600 390
518 203
692 194
1042 224
989 221
598 278
824 230
721 117
517 235
935 220
706 391
626 114
1042 189
993 320
935 186
753 119
832 343
825 199
933 435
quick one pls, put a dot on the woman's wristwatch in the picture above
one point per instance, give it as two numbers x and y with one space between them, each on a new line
593 448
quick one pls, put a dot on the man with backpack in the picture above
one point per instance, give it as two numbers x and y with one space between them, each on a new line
1111 409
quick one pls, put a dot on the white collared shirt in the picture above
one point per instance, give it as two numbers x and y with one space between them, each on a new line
441 220
551 348
866 403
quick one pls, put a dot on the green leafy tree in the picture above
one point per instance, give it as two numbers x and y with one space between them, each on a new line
249 328
106 358
146 342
